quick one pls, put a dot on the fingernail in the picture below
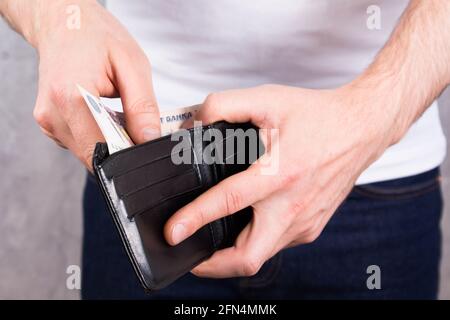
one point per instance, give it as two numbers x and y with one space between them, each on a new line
179 233
150 134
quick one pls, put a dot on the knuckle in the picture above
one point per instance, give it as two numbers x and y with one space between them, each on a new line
59 95
43 118
233 201
251 266
199 219
310 238
212 101
143 105
287 178
311 235
137 55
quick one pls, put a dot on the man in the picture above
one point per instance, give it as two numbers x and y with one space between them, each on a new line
367 119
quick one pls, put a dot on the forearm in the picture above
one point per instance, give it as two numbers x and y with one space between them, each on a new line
30 17
414 66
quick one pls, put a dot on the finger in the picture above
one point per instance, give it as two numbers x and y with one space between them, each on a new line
83 128
134 82
236 106
229 196
253 247
51 122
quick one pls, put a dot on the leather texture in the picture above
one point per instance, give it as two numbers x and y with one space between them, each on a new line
143 187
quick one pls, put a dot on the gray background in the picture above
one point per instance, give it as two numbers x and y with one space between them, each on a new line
40 218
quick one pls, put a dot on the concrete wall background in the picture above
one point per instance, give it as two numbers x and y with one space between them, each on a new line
40 218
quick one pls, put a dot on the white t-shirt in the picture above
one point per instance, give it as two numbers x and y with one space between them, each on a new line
200 46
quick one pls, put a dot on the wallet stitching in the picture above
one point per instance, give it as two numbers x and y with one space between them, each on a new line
142 165
126 195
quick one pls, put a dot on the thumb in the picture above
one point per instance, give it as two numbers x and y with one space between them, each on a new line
134 83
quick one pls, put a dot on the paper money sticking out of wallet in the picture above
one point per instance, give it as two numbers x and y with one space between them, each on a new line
143 186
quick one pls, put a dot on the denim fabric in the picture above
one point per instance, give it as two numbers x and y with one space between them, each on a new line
394 225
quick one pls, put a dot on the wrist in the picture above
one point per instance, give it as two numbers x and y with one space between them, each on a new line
36 19
388 114
20 15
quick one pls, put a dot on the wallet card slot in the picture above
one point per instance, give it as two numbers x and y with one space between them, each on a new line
123 173
161 192
145 176
138 156
149 163
155 182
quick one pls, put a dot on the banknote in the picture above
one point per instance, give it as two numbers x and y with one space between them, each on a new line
171 120
111 121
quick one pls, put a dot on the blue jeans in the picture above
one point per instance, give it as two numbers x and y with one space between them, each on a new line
394 225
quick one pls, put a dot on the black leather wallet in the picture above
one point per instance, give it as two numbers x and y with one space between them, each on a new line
143 187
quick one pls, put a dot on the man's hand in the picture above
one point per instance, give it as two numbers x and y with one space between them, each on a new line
326 139
100 55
